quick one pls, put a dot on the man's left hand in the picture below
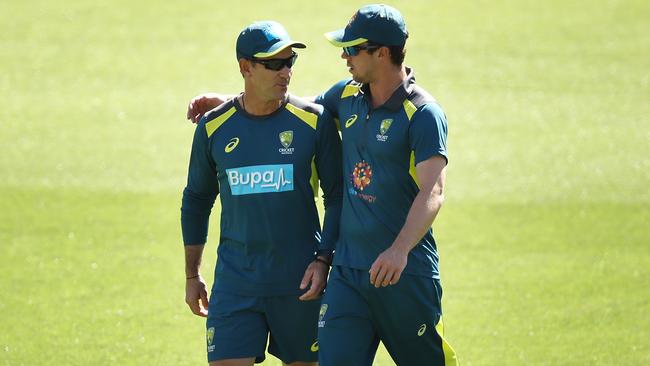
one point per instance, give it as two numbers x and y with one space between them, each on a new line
315 278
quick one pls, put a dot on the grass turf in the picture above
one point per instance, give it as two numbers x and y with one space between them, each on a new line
543 237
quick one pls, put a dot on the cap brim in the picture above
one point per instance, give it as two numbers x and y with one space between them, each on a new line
337 38
278 47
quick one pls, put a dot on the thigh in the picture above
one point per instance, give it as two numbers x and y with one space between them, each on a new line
236 328
346 335
292 325
408 317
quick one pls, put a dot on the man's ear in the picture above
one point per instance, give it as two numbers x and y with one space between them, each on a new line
245 67
383 52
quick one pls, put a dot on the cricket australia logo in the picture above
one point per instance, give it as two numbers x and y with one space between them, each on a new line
361 177
383 128
209 336
321 314
286 138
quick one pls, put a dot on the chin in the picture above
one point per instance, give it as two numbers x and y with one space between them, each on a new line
282 95
358 78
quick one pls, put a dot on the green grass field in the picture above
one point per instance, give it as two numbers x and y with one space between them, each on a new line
544 235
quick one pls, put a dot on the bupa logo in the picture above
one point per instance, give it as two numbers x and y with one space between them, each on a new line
260 179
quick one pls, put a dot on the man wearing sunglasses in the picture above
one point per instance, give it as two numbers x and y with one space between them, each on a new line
264 152
384 284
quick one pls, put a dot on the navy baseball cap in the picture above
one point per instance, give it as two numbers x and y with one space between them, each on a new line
264 39
377 23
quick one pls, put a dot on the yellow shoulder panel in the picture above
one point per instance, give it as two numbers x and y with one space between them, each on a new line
409 108
309 118
212 126
350 90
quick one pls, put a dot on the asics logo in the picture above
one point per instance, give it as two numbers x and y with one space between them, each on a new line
351 121
423 328
232 144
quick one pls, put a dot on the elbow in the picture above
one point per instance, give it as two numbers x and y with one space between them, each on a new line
438 199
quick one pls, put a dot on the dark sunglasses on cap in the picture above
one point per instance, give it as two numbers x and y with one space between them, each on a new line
277 64
354 50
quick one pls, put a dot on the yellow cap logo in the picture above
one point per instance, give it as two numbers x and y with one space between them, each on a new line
314 347
351 121
232 144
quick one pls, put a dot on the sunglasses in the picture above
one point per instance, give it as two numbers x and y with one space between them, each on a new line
277 64
354 50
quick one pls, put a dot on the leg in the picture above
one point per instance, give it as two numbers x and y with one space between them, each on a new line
408 317
236 330
234 362
346 334
293 332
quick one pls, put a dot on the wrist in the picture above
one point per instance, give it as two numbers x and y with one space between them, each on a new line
401 247
323 261
325 255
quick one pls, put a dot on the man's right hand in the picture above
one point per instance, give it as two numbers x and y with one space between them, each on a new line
203 103
196 296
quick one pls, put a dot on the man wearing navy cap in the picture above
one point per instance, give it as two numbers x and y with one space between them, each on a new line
384 284
263 152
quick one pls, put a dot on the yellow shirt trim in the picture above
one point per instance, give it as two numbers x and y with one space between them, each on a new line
309 118
409 108
212 126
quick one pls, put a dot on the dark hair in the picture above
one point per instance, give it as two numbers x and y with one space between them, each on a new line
397 54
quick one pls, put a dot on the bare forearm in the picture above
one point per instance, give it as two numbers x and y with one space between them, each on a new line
193 255
421 215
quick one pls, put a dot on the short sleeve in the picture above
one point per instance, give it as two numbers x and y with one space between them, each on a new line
428 132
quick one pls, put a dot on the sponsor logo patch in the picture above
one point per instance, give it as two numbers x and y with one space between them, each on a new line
232 144
383 128
286 138
314 347
361 178
351 121
209 336
260 179
423 328
321 314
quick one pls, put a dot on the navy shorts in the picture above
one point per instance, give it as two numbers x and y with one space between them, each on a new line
406 317
239 326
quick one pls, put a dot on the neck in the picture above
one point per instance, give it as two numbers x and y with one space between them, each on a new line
383 87
256 106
